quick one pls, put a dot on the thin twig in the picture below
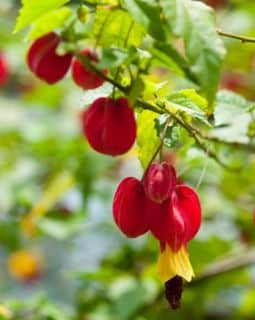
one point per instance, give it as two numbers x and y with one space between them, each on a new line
86 62
235 36
226 265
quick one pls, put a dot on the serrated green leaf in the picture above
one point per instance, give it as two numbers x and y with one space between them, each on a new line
112 27
147 138
193 96
148 14
232 117
33 10
48 22
153 90
190 103
195 23
169 57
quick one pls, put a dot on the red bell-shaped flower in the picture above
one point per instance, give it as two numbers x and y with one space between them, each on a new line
129 208
44 61
109 125
4 71
159 182
83 77
175 221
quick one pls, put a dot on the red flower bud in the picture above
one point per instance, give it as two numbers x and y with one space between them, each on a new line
85 78
43 60
129 208
159 182
110 126
4 71
175 221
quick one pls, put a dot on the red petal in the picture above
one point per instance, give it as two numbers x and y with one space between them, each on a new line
186 204
165 224
110 126
83 77
129 208
43 60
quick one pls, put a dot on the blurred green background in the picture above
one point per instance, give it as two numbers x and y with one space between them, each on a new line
78 265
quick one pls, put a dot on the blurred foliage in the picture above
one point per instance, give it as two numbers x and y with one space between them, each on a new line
87 270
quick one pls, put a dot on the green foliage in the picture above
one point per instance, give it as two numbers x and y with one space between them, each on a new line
49 21
31 11
232 117
112 27
172 134
195 23
147 138
189 104
148 14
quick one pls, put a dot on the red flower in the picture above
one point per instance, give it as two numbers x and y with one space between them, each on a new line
43 60
110 126
159 182
85 78
129 208
4 71
173 222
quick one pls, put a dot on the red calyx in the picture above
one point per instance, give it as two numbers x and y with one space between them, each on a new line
4 71
159 182
110 126
177 220
86 78
43 60
129 208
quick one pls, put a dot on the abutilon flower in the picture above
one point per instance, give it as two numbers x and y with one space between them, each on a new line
83 77
109 125
183 221
174 222
44 61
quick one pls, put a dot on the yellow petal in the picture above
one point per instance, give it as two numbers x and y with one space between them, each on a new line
171 264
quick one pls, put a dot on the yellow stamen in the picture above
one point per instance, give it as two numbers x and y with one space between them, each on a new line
171 264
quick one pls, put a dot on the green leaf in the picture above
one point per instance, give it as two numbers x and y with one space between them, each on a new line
147 138
148 14
232 117
172 135
61 229
112 27
190 104
195 23
48 22
33 10
169 57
